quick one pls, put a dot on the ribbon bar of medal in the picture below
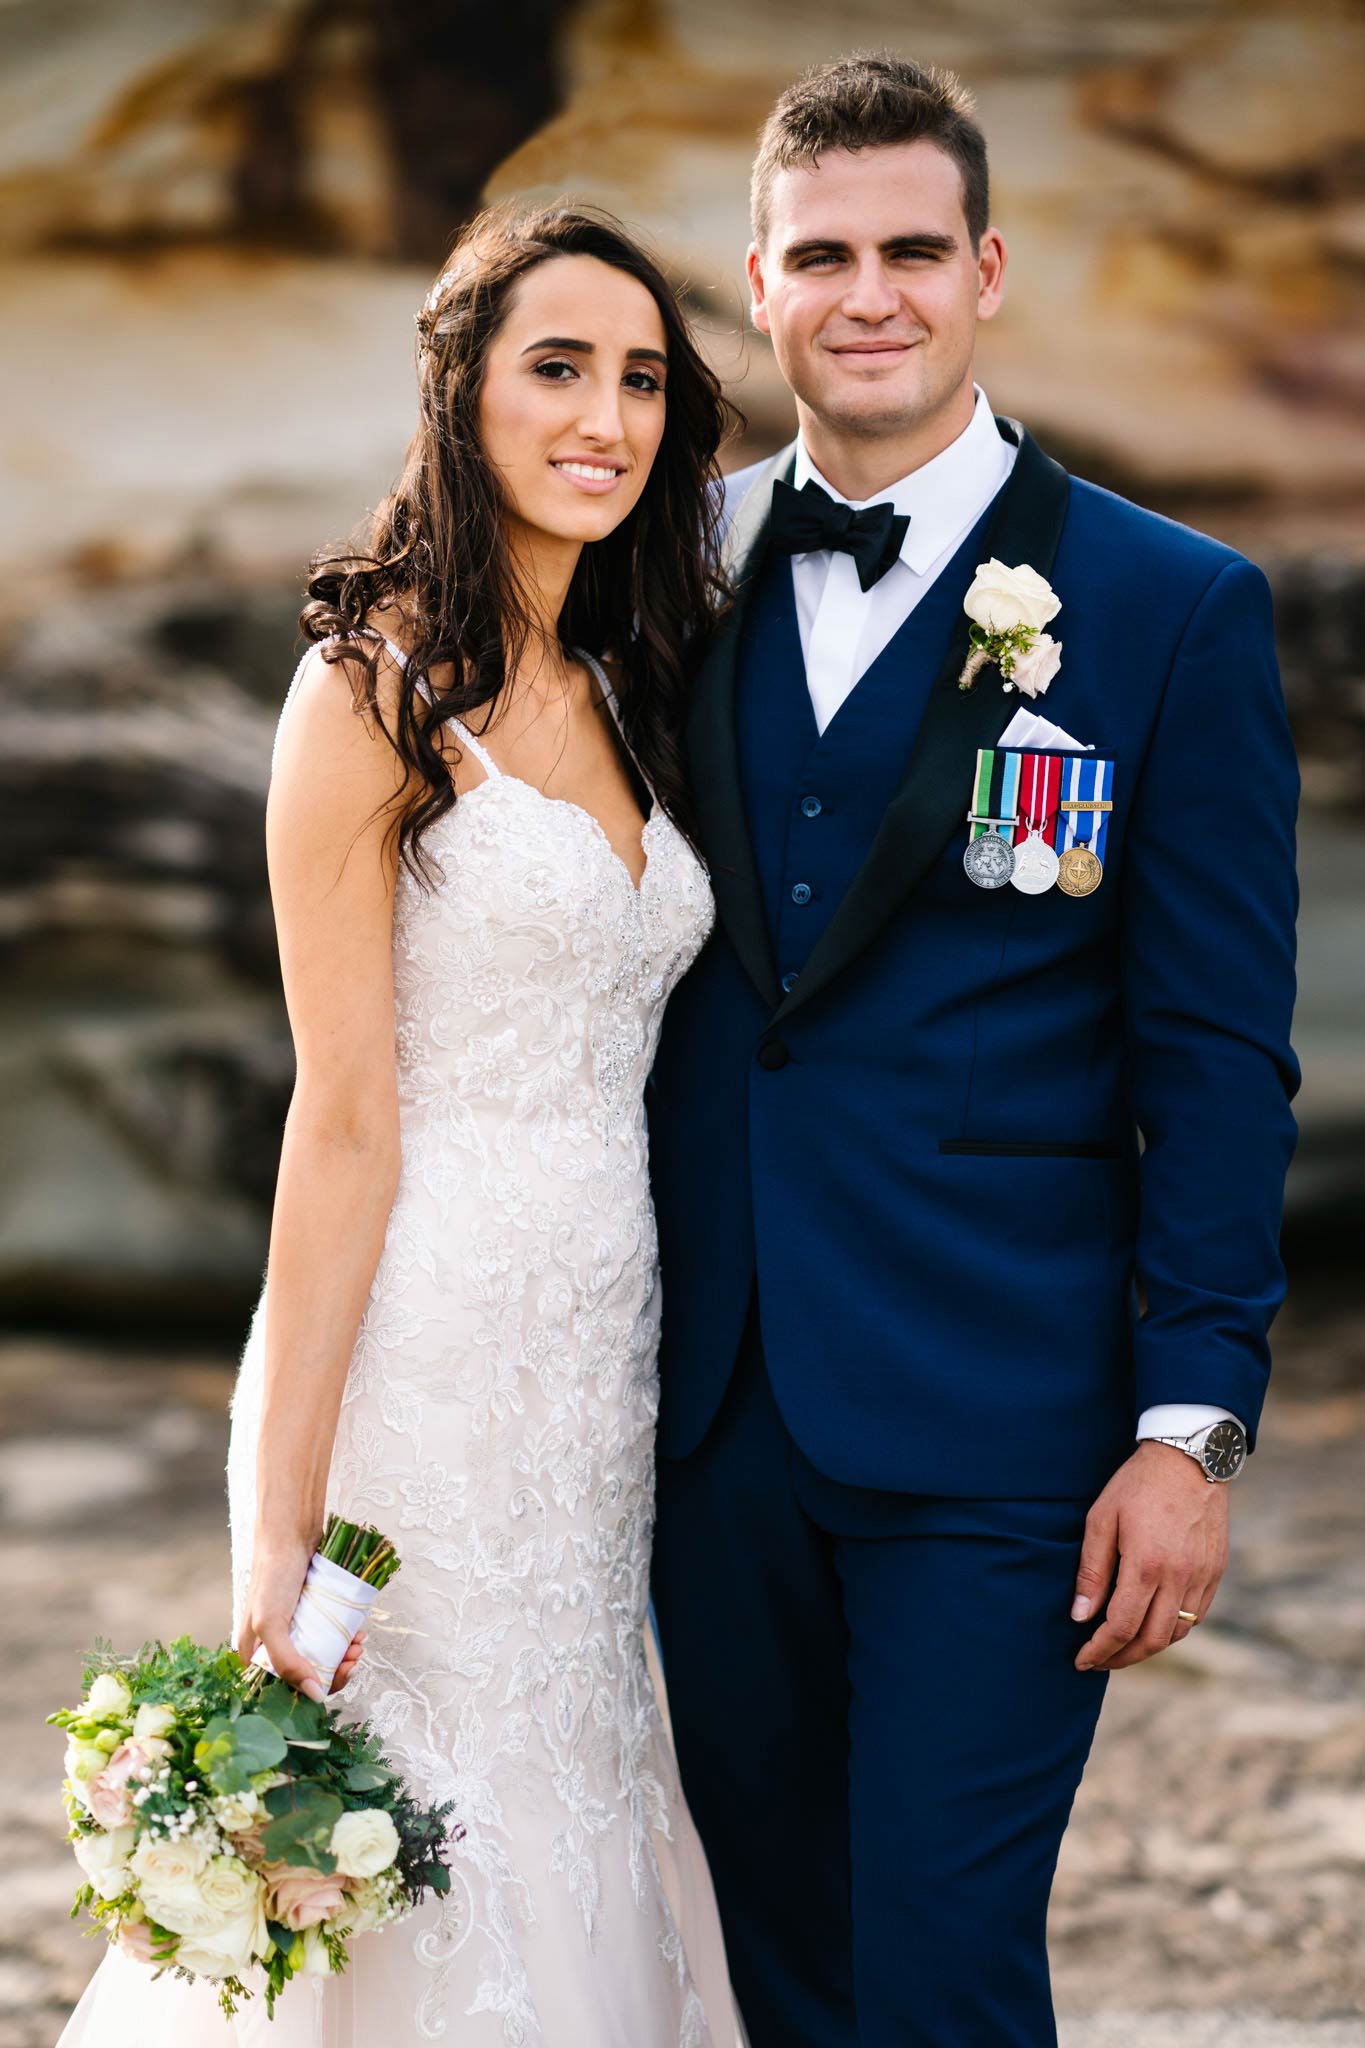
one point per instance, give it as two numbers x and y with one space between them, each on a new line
995 793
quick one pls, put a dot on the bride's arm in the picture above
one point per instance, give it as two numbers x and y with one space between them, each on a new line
332 883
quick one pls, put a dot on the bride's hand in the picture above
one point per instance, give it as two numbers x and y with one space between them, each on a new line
277 1576
350 1660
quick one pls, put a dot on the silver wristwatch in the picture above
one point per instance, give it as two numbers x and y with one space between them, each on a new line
1220 1448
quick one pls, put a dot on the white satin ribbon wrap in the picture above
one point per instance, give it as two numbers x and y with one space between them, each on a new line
333 1604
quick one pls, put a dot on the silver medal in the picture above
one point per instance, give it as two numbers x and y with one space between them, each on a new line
989 860
1035 866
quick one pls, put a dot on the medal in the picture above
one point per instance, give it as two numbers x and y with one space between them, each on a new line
1035 866
989 860
989 857
1035 861
1078 871
1085 805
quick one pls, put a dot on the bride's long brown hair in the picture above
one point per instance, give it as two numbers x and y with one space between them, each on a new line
437 549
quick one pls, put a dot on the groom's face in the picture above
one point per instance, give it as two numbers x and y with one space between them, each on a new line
869 287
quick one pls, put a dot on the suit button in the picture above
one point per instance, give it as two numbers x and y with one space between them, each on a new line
801 893
811 806
773 1055
788 983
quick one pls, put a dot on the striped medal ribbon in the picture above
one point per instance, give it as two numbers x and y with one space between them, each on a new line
1035 859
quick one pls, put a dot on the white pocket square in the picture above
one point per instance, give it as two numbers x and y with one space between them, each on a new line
1027 729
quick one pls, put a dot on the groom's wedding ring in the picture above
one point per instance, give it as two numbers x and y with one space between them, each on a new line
1183 1614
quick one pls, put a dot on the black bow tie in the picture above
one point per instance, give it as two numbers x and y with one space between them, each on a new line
805 520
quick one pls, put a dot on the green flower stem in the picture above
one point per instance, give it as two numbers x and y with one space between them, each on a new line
361 1549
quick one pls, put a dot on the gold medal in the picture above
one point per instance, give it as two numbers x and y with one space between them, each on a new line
1079 871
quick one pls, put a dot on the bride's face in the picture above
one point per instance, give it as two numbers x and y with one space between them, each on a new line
571 412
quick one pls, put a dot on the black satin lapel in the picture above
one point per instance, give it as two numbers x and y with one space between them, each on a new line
713 751
931 802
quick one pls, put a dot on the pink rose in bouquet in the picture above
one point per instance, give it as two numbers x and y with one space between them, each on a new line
135 1939
107 1796
298 1896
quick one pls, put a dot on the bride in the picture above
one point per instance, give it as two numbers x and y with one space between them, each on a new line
485 888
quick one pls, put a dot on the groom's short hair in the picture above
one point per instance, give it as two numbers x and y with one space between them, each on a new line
868 100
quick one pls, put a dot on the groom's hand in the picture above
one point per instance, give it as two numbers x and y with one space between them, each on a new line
1166 1527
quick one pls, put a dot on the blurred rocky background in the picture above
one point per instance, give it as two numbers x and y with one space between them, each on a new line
217 218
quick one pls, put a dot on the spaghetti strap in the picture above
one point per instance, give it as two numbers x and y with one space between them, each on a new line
310 649
394 649
591 661
614 706
466 737
334 640
476 748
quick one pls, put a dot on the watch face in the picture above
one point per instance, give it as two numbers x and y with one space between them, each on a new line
1225 1448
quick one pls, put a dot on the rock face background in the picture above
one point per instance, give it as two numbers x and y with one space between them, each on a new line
216 220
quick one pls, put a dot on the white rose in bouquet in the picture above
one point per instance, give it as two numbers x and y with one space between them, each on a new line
104 1859
183 1914
227 1929
222 1928
364 1843
169 1874
230 1947
152 1723
109 1694
229 1886
1001 597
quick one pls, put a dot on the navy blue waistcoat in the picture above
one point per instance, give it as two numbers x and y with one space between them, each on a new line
814 800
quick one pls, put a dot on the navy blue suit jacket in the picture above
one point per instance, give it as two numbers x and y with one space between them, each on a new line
1021 1172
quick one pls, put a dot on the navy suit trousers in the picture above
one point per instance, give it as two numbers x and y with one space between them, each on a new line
880 1731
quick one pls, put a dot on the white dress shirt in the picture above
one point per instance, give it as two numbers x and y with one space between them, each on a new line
844 627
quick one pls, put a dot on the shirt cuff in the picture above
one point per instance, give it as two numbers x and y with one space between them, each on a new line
1181 1418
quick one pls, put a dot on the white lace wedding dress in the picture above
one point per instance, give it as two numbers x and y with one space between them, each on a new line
498 1422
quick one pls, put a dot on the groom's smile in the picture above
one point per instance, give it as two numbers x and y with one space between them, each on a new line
869 354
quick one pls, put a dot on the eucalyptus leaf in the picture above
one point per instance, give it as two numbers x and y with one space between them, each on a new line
275 1702
253 1740
302 1828
310 1719
215 1756
366 1778
280 1935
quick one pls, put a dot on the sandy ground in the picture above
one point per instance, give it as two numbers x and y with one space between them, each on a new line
1211 1892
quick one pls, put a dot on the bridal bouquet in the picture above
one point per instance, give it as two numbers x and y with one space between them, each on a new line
225 1821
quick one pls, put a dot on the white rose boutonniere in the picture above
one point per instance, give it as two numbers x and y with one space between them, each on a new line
1008 609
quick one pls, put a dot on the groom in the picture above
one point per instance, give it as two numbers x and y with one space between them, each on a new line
969 1128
